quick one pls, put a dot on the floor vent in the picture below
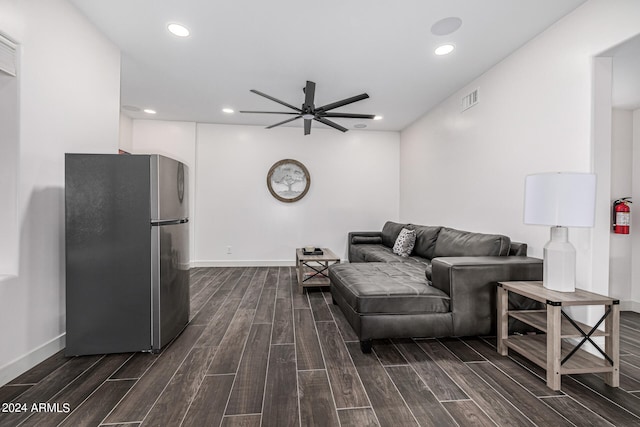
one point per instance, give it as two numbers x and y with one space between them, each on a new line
470 100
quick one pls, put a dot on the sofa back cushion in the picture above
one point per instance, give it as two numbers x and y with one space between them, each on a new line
390 232
425 240
453 242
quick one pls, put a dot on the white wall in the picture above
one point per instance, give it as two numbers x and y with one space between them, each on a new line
69 102
635 215
125 134
621 179
354 186
534 115
172 139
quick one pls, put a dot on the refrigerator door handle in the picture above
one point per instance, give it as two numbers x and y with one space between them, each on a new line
161 222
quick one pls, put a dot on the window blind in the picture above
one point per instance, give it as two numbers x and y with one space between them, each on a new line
7 56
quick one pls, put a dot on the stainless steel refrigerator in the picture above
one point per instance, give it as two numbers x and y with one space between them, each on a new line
127 252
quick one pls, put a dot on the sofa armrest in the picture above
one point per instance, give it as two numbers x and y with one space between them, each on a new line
363 234
471 284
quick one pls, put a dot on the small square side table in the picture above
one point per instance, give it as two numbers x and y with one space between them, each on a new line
312 269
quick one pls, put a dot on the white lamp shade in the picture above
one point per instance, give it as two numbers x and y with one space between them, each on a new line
560 198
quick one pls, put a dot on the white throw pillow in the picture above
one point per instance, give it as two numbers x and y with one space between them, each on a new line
405 242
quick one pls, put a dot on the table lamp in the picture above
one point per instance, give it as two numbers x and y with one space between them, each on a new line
561 200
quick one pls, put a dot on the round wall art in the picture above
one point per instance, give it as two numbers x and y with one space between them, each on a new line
288 180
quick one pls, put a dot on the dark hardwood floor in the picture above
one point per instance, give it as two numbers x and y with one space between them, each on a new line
258 353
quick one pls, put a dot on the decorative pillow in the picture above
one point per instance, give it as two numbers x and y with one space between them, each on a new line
405 242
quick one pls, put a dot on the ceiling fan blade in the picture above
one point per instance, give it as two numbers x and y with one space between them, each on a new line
309 95
348 115
257 92
307 126
283 122
343 102
332 124
268 112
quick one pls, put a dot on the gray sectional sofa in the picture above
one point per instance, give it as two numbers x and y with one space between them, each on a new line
446 287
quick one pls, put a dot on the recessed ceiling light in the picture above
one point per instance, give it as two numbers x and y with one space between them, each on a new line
445 49
149 111
377 118
178 30
360 126
228 110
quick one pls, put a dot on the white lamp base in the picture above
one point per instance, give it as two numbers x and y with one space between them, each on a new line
559 270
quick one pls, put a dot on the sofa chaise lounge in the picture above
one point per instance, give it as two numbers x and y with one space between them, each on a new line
446 287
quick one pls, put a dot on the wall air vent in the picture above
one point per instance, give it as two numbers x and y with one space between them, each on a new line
470 100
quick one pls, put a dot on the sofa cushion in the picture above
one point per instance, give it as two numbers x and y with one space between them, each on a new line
370 240
452 243
425 240
390 288
405 242
390 232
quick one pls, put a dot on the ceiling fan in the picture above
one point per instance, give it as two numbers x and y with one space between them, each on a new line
309 111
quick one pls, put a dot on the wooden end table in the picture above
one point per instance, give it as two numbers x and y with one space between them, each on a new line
552 351
312 269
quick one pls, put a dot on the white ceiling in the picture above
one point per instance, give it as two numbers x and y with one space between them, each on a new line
346 46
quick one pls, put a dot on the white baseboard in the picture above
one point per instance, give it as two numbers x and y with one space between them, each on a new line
23 363
630 305
244 263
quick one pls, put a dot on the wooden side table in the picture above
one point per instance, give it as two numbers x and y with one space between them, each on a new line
312 269
552 351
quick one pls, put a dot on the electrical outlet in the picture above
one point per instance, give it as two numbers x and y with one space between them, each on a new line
228 249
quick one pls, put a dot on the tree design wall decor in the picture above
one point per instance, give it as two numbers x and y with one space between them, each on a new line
288 180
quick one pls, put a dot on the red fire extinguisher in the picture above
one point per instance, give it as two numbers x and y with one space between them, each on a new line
621 215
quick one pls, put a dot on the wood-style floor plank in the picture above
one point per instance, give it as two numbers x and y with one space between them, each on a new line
385 399
247 393
8 393
283 321
136 366
423 404
441 384
461 350
207 407
241 421
79 389
229 352
319 306
534 383
216 329
266 306
174 401
348 391
99 404
493 403
388 354
137 403
316 402
521 398
49 386
348 334
307 346
272 278
357 417
41 370
614 394
575 412
251 297
280 408
468 414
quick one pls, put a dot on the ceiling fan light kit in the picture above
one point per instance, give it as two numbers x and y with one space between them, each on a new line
309 111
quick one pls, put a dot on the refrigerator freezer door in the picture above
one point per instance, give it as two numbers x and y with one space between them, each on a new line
169 189
170 282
